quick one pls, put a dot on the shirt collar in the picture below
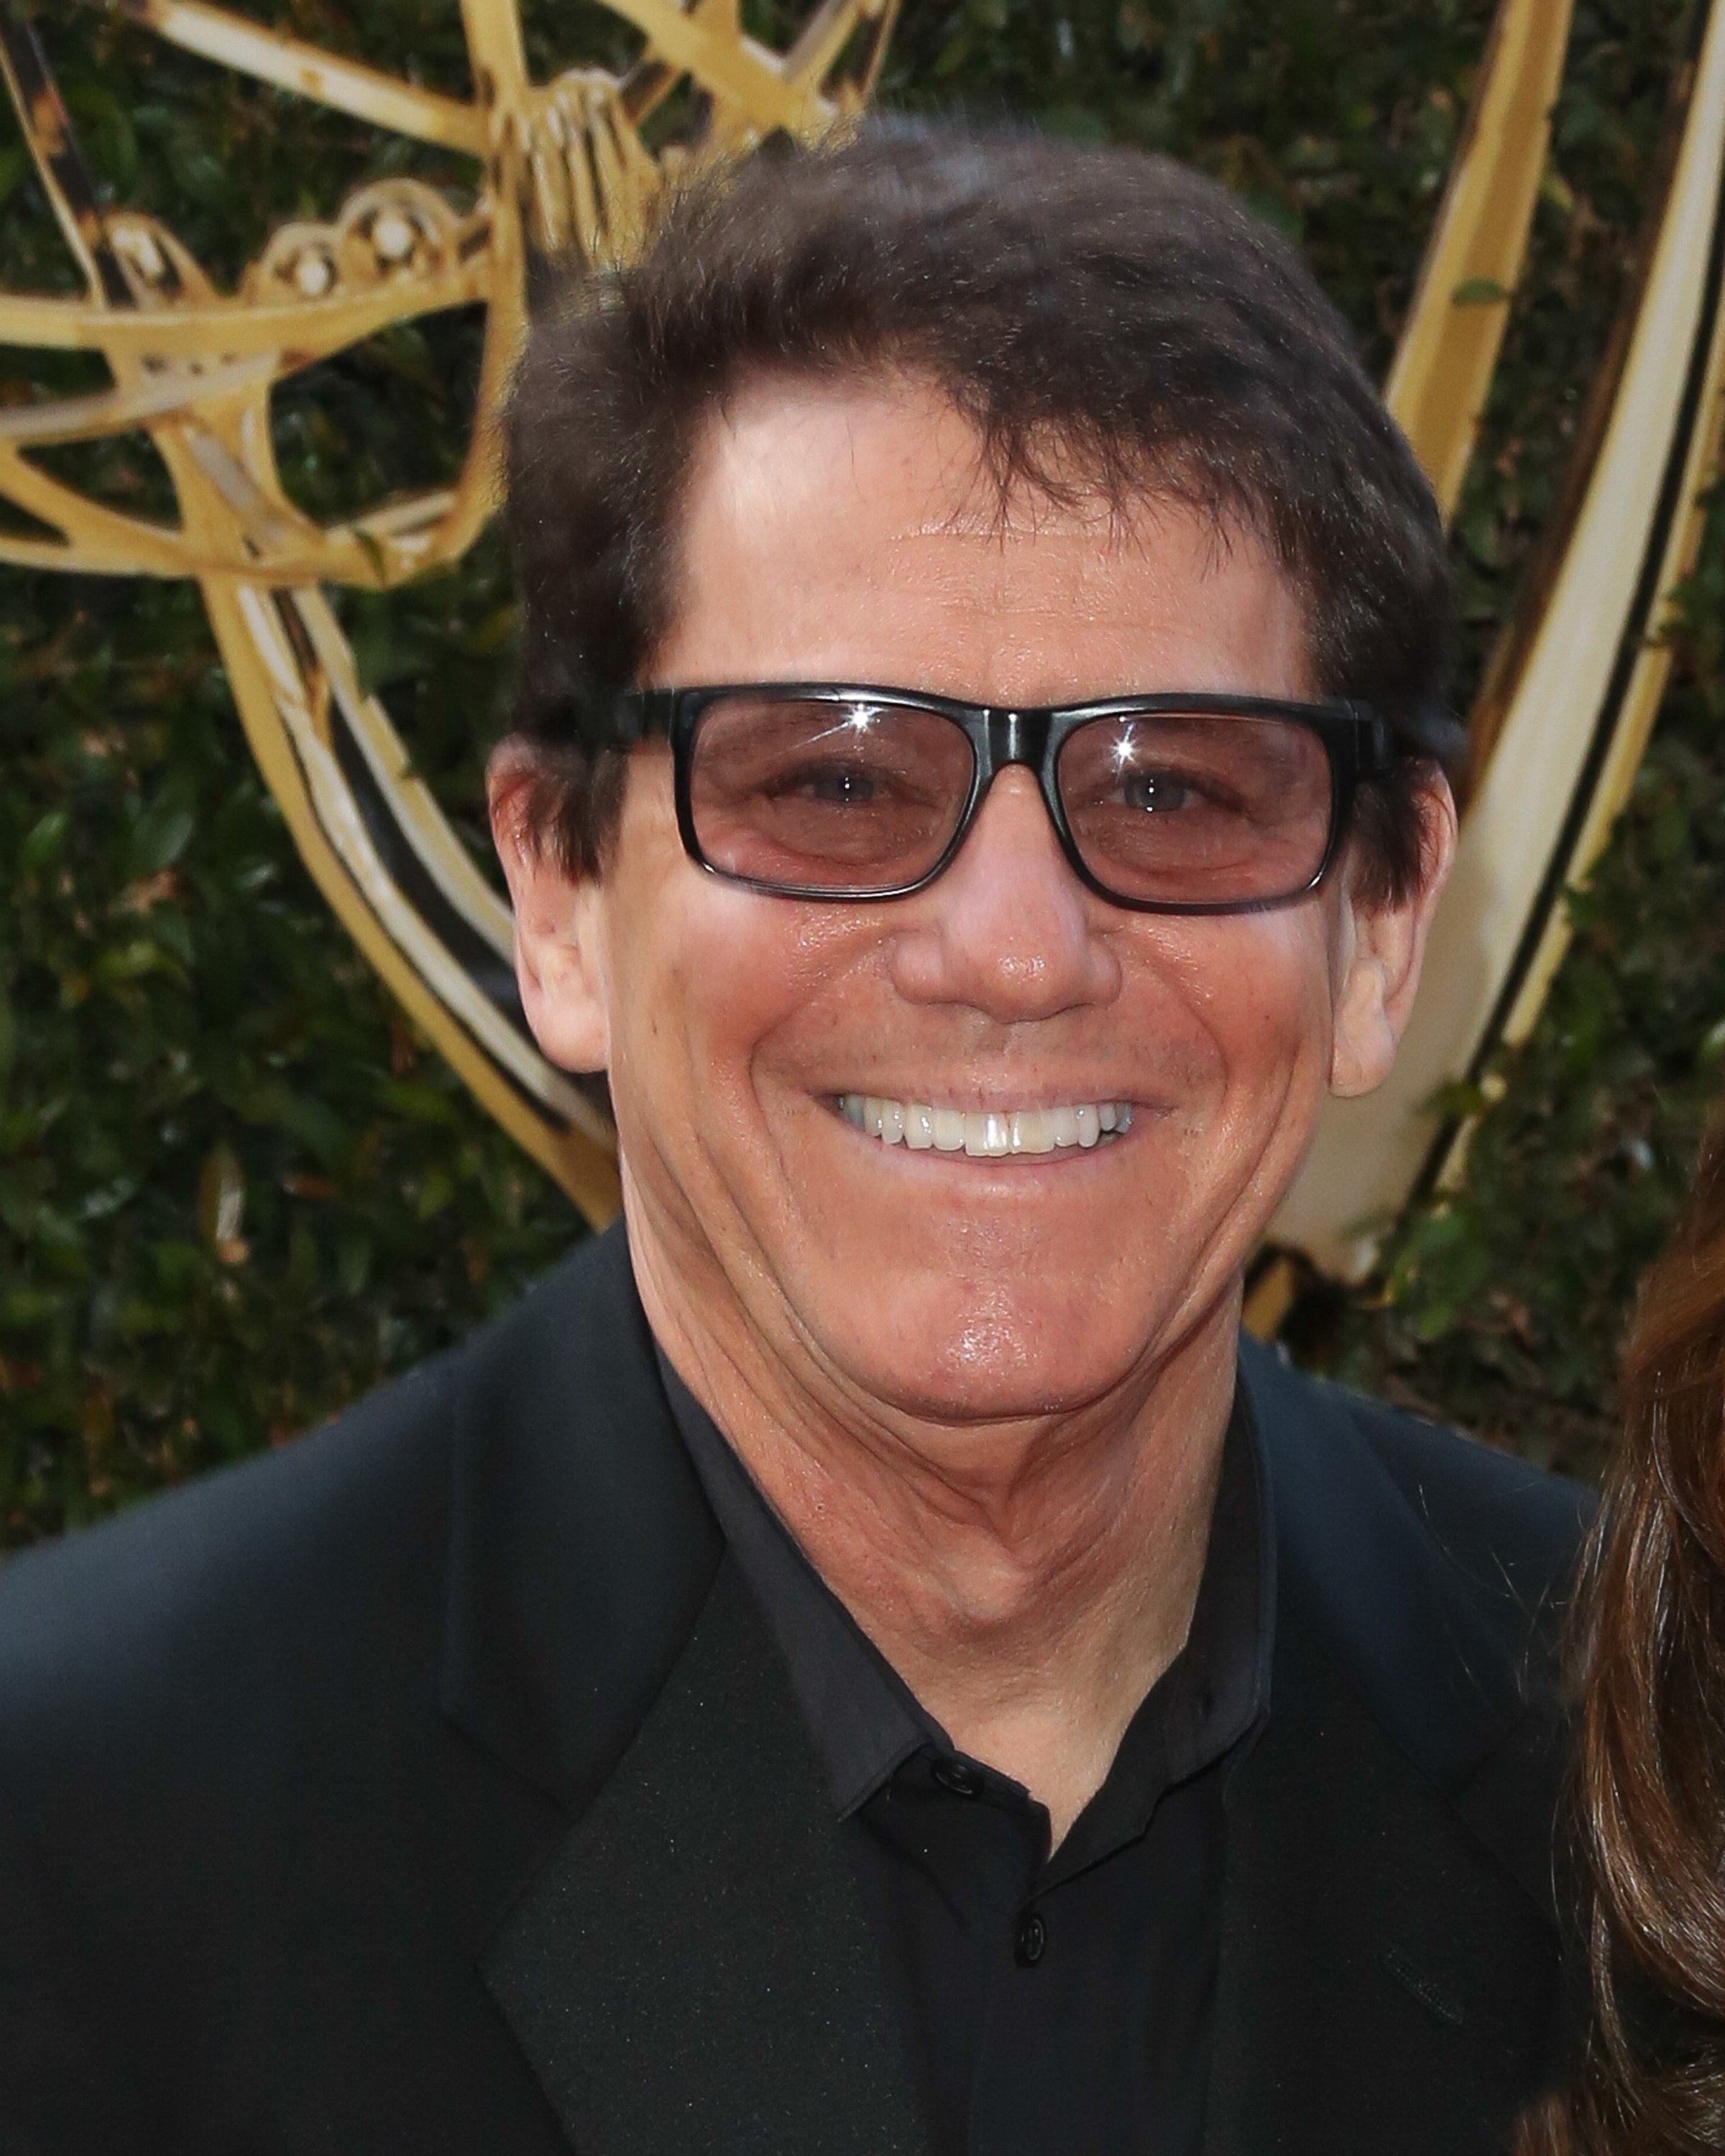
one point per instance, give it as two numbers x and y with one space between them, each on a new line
1216 1692
864 1720
862 1717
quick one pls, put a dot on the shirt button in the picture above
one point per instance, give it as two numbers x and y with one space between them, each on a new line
1032 1941
953 1774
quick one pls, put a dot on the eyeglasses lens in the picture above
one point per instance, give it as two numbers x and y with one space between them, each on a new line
1205 810
855 796
812 795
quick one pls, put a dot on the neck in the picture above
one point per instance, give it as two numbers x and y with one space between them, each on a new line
1029 1579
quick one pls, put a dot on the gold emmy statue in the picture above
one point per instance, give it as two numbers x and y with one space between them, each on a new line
1559 728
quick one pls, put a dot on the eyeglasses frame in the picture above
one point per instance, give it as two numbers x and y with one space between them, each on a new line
1358 743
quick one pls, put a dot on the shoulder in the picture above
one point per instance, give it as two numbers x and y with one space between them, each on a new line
1516 1527
232 1799
182 1579
261 1576
1509 1528
1434 1571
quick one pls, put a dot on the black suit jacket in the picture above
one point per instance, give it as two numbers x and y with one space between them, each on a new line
432 1787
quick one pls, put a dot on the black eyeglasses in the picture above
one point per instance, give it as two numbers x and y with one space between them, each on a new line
1167 803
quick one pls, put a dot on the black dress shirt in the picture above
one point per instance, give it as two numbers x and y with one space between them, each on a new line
1053 2004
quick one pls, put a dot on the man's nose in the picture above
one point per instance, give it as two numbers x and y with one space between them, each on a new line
1009 929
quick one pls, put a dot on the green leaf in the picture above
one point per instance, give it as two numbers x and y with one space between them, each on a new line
123 963
14 164
23 1305
423 1103
1478 292
437 1190
1074 123
310 1120
161 834
106 132
44 841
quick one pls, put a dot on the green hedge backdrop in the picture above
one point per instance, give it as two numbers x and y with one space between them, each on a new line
236 1189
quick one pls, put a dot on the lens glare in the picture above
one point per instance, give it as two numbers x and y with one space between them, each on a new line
1198 810
841 795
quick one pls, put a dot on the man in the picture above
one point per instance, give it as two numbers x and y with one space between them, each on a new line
862 1659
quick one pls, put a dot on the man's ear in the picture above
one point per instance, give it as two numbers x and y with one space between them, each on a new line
559 949
1380 950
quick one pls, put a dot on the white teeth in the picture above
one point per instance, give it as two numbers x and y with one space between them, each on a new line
988 1137
985 1134
948 1130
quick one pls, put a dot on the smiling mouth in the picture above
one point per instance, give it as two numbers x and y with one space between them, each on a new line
991 1134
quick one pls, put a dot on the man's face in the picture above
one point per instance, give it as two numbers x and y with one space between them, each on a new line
844 533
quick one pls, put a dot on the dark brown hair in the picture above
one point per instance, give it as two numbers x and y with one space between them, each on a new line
1651 1642
1107 321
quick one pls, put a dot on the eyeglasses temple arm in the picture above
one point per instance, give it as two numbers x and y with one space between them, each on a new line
636 713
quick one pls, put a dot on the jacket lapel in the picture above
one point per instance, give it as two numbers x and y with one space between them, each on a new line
693 1970
582 1546
687 1963
1390 1965
1377 1964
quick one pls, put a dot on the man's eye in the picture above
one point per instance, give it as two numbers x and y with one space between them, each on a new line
840 786
1158 790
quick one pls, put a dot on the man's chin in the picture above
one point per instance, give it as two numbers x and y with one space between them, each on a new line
1004 1364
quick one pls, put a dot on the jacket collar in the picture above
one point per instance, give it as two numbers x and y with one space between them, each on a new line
580 1546
1437 1657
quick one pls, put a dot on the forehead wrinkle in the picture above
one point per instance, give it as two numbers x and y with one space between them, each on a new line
940 552
975 485
1022 507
